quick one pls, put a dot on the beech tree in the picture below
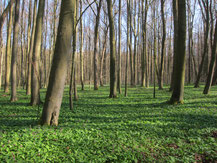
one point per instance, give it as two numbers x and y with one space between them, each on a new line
59 67
14 53
179 64
35 77
113 81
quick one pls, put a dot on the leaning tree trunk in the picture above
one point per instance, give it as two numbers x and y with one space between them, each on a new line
4 16
35 76
179 64
212 63
15 53
59 67
8 52
205 47
113 83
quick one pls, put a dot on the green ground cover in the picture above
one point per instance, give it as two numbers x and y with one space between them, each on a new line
136 128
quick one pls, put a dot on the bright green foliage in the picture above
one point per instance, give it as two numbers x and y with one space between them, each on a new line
125 129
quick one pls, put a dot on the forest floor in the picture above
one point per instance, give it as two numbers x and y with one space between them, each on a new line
136 128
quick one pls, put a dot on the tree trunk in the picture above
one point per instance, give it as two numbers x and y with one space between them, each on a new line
212 63
8 51
179 65
59 67
35 75
4 15
163 48
175 22
144 51
205 48
28 86
113 81
119 49
74 44
127 46
15 53
81 49
96 46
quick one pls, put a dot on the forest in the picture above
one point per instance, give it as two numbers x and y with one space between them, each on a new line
108 81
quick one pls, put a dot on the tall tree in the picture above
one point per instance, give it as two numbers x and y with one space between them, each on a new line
144 50
31 44
212 63
119 49
59 67
205 4
113 81
175 23
35 76
8 51
81 48
179 64
163 47
96 45
15 53
4 15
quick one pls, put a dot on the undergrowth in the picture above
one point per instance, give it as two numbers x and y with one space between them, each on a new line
136 128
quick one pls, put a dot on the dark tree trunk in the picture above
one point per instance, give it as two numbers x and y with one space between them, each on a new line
113 81
179 64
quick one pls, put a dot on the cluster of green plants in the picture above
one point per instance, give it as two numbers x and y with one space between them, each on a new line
136 128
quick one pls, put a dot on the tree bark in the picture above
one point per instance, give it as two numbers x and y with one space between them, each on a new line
113 81
35 75
15 53
179 64
212 63
144 51
28 86
163 47
205 48
96 46
8 51
81 50
119 49
59 67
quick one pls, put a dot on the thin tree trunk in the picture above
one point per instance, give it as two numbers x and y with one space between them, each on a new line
81 49
144 51
119 49
28 86
163 48
71 89
127 46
